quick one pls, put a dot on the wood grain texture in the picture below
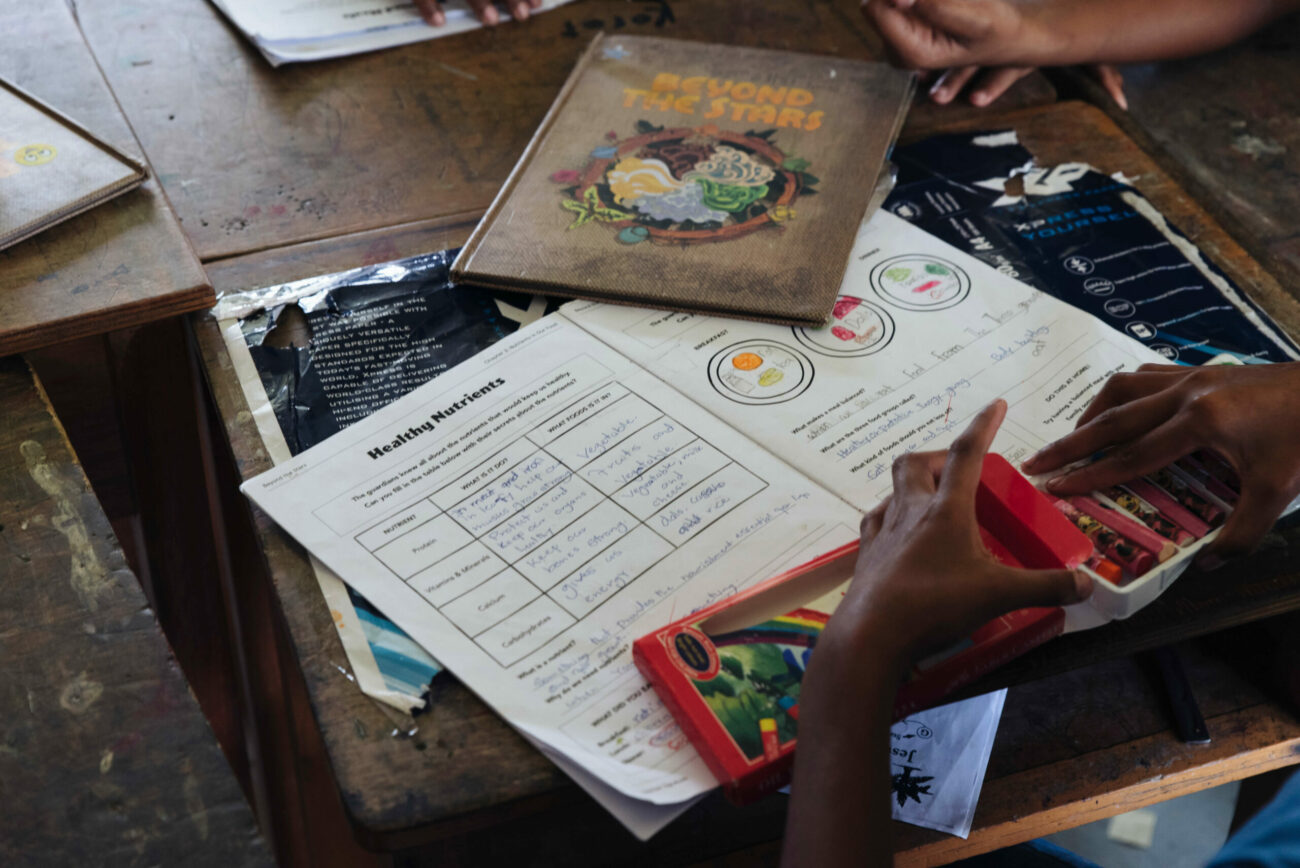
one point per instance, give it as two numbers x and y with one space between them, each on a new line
123 263
105 757
255 157
1226 125
473 770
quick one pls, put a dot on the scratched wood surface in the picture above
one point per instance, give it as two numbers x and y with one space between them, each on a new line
121 264
105 758
398 791
254 157
1227 125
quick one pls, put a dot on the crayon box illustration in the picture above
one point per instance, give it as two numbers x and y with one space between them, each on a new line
731 673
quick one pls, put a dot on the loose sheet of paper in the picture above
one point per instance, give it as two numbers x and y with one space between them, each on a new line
529 513
937 760
922 338
294 30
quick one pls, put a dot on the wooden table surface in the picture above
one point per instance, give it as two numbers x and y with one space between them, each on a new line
255 158
466 768
1228 126
121 264
105 757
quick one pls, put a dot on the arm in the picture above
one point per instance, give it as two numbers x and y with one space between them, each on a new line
937 34
922 581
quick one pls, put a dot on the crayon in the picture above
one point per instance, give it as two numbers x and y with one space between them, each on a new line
1187 496
1197 470
1220 469
1121 523
1168 507
1147 514
1108 570
771 741
1111 545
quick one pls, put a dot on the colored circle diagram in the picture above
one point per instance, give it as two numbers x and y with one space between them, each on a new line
857 328
34 155
920 282
760 372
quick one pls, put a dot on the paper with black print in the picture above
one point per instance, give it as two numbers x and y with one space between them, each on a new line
937 760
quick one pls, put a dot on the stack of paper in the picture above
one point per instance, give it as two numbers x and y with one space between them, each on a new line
289 31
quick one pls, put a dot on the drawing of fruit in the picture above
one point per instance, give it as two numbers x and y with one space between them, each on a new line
737 382
842 333
920 282
771 377
747 361
844 305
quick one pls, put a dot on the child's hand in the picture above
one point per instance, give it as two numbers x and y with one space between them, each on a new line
923 578
484 11
1248 414
943 34
984 46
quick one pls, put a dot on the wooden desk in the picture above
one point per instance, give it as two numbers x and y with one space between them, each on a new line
1061 763
254 157
121 264
1225 126
105 758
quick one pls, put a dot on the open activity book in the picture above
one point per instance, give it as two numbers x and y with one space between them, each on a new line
609 470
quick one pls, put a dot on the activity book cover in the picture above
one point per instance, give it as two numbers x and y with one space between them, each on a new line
731 673
695 177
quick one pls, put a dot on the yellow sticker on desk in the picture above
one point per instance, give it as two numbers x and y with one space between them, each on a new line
34 155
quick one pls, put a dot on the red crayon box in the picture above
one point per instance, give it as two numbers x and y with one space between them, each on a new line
731 673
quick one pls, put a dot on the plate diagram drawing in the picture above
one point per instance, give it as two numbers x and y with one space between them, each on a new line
857 328
759 371
920 282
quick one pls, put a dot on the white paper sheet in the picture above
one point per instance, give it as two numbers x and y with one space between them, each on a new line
295 30
500 515
927 338
937 762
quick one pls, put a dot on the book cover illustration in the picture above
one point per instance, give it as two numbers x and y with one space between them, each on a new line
695 177
688 185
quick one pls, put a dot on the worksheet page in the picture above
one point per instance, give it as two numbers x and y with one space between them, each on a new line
922 337
528 514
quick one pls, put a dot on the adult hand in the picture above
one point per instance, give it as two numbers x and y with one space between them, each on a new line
923 578
484 11
1248 414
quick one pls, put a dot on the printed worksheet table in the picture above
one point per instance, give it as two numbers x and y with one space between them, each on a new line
553 525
